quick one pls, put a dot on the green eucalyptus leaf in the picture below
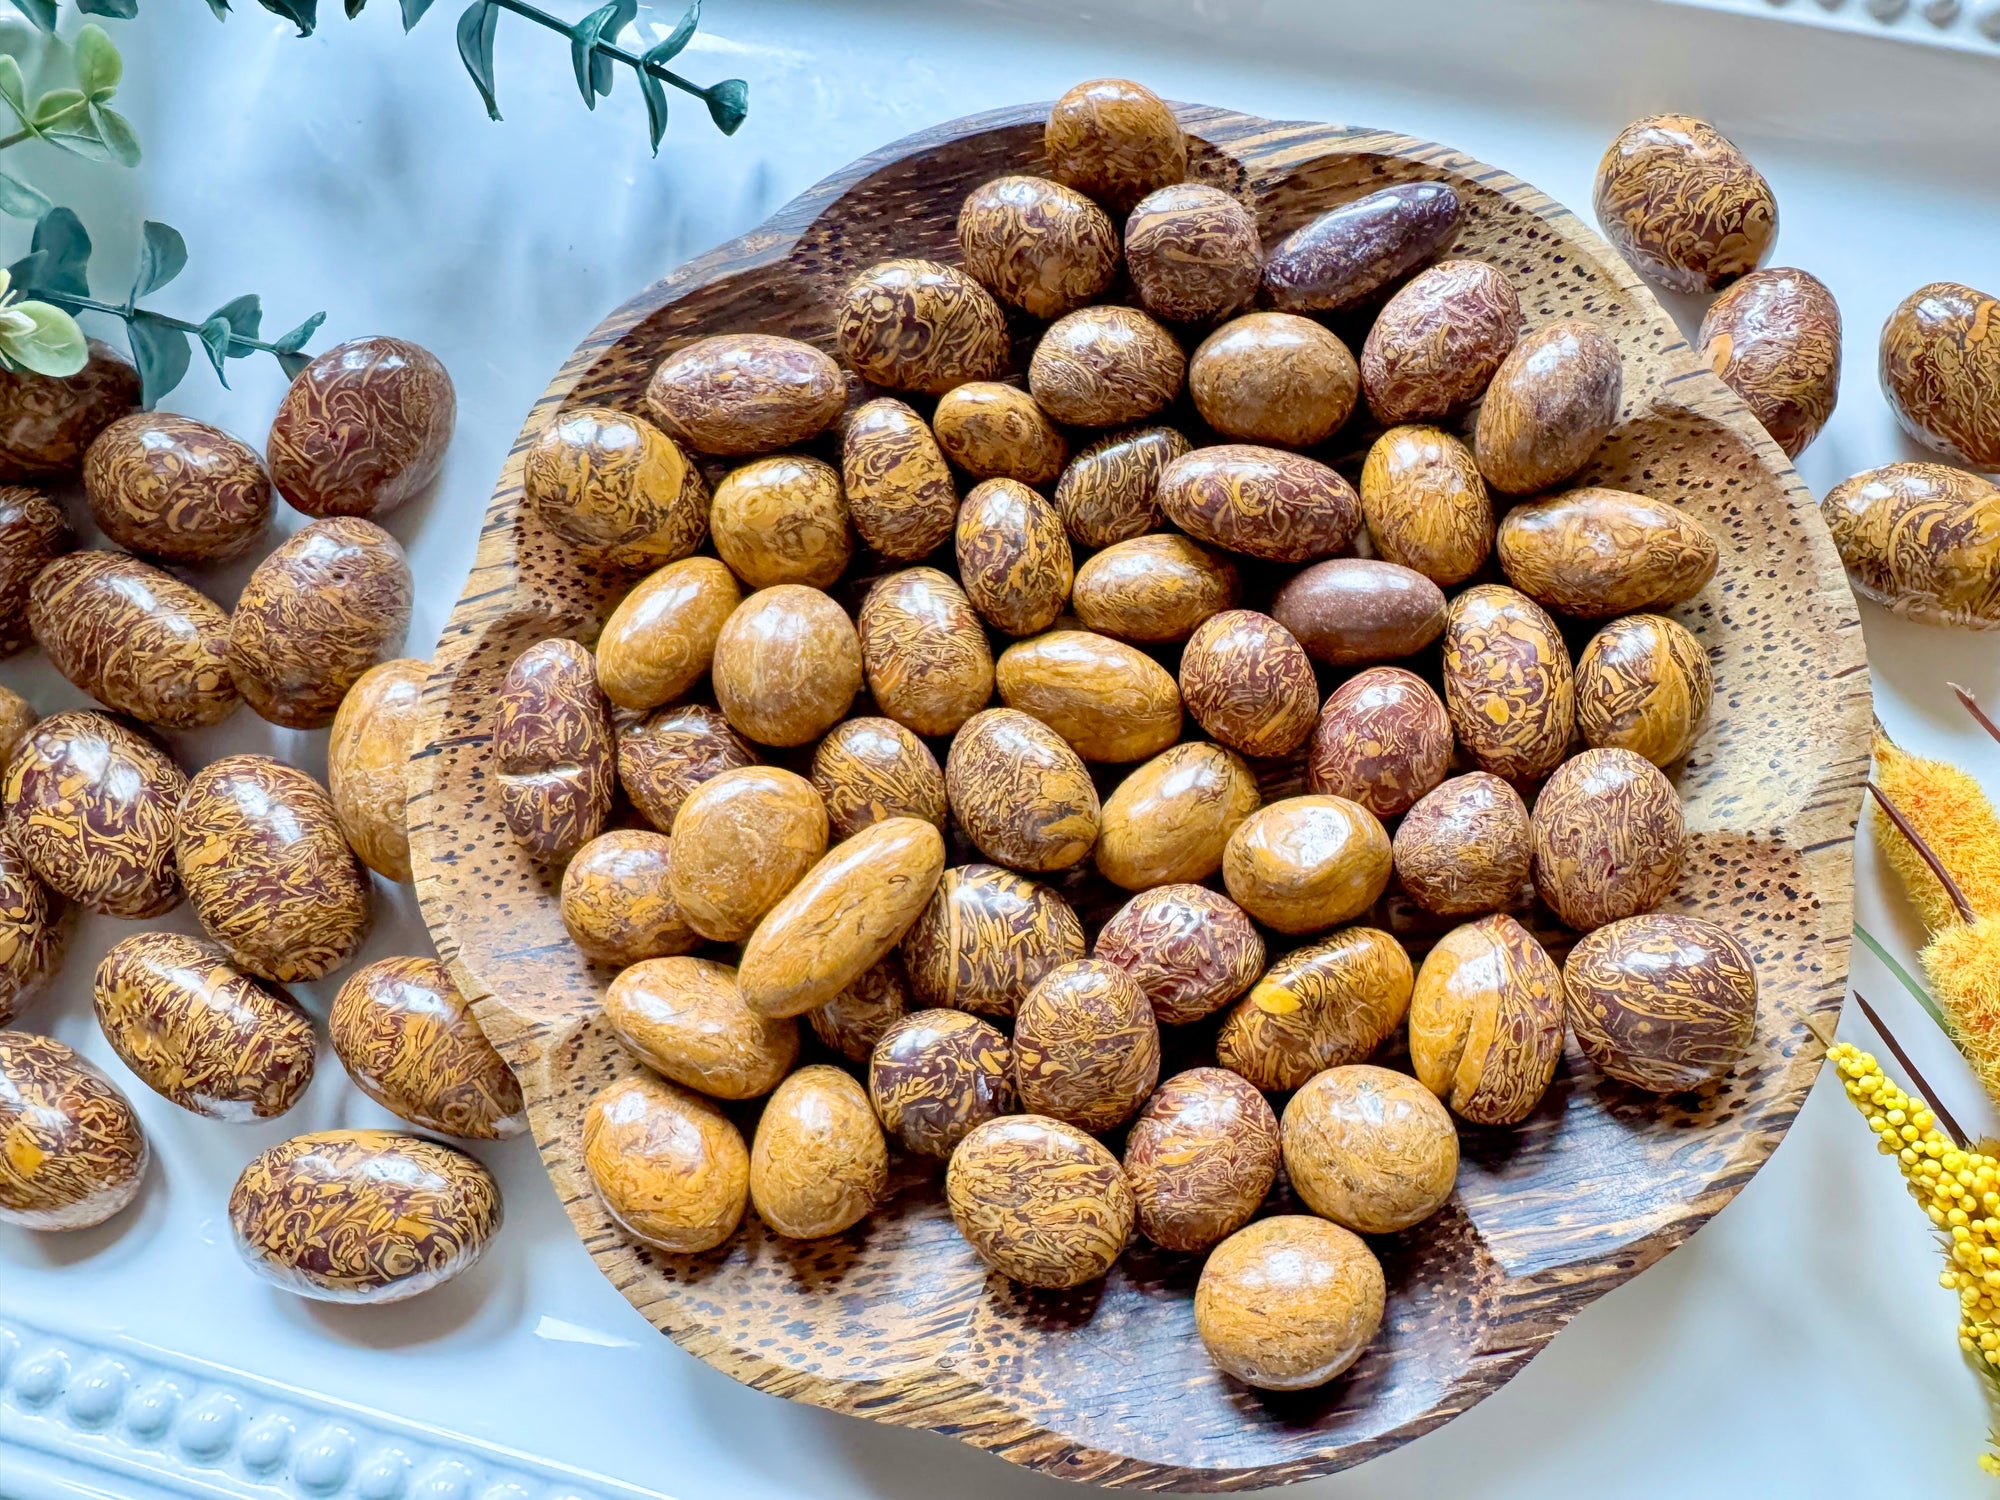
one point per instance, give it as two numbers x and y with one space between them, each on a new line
220 7
20 200
603 66
294 341
303 14
413 12
61 255
354 8
292 362
163 254
41 12
44 339
98 65
115 132
59 107
583 39
665 51
118 10
26 274
728 104
656 107
475 49
12 87
161 352
215 336
80 140
243 315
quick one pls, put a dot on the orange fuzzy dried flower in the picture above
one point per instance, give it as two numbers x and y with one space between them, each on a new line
1950 813
1963 964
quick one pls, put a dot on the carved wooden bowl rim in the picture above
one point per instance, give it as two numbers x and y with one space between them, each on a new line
499 598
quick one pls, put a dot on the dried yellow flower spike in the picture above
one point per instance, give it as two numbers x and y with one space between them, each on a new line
1959 1189
1963 965
1950 813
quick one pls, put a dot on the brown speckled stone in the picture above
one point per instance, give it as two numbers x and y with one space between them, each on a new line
176 490
739 393
92 806
1338 258
1683 204
554 749
135 638
916 325
1115 140
316 614
363 428
76 1152
268 871
33 532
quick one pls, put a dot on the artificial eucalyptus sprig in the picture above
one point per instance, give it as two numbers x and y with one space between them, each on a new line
593 49
43 12
80 119
593 45
57 269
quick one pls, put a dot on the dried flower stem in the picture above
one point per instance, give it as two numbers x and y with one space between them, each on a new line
1936 865
1951 1126
1978 714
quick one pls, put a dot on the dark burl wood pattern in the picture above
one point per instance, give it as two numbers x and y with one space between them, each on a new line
897 1320
1200 1158
1106 493
1439 341
555 750
670 752
1192 252
1086 1046
409 1041
1041 246
986 938
1662 1001
1191 950
1774 338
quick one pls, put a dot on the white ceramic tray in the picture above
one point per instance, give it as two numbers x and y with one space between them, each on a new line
356 171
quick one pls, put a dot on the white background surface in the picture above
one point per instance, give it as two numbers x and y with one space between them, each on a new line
1800 1345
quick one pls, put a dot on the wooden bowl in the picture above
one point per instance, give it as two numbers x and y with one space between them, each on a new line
896 1321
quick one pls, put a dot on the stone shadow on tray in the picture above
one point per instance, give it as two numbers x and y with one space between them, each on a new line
494 1290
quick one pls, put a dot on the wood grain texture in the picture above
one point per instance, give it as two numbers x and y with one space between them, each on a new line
897 1320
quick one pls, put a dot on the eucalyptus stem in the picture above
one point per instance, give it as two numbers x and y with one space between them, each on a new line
609 49
15 139
124 312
